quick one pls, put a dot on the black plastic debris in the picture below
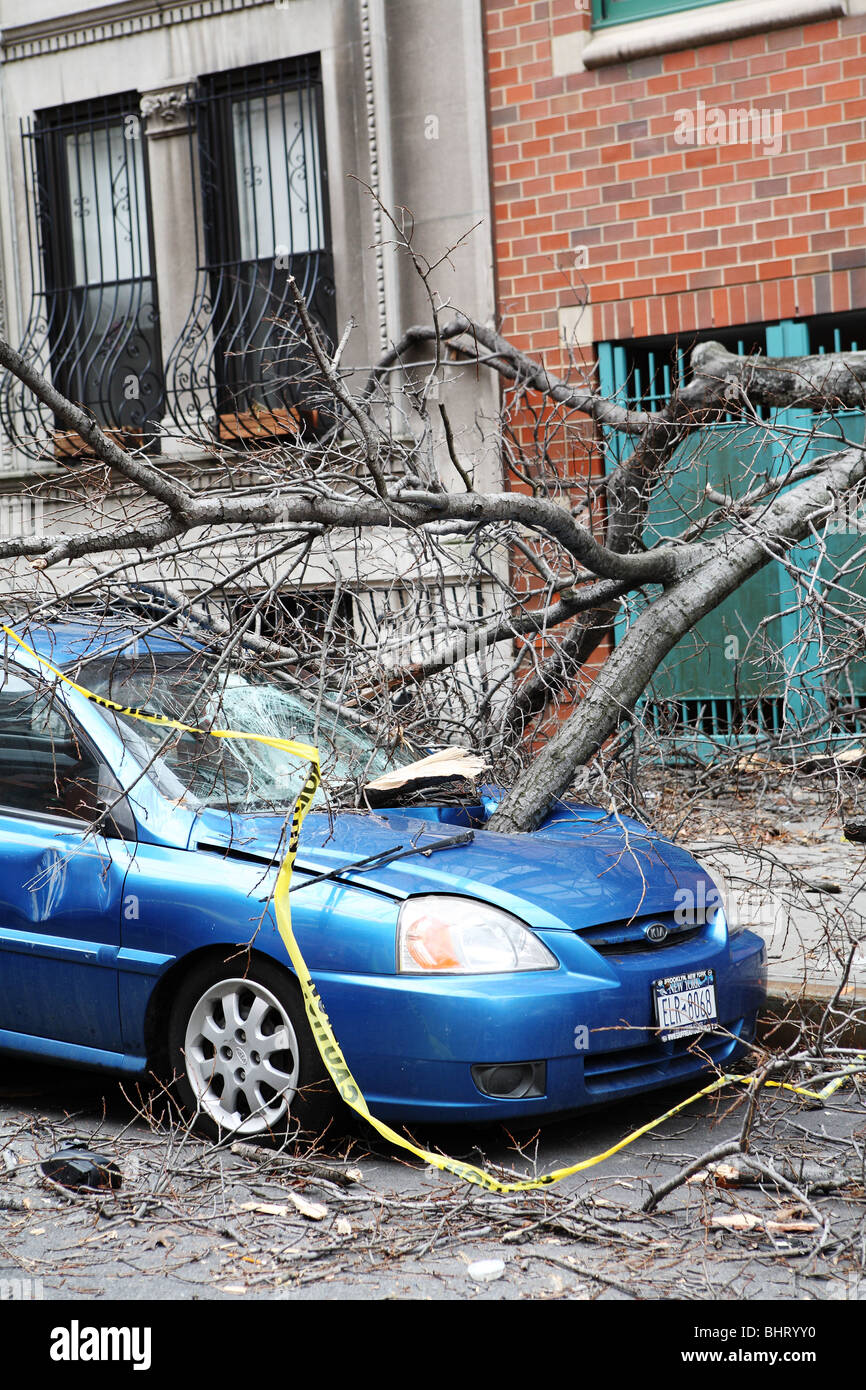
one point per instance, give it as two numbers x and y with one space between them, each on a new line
81 1169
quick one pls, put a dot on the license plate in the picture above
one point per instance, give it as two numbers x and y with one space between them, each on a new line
685 1004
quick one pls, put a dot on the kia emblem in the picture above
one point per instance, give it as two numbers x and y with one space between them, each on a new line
656 932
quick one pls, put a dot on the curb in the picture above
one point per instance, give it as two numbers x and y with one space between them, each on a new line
790 1004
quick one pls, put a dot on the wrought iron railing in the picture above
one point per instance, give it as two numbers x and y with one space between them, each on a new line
93 323
716 717
241 365
656 367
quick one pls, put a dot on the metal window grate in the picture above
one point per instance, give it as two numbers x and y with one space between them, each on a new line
655 367
93 324
837 332
305 620
241 365
719 717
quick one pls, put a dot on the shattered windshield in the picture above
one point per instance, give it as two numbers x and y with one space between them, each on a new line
232 773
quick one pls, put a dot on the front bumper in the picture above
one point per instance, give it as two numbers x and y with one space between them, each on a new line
411 1042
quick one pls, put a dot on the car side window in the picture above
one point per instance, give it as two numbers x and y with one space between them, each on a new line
44 766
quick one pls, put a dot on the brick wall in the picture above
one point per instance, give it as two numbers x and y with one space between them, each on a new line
679 236
669 236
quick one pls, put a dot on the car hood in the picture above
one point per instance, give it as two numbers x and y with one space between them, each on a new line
580 869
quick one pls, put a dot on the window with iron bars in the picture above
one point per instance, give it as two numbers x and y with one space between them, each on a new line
242 363
307 622
93 325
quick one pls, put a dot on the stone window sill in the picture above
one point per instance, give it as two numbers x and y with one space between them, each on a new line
625 43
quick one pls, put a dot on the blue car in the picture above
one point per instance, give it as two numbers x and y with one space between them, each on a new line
469 976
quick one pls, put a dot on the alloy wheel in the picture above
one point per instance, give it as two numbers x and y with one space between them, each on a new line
242 1056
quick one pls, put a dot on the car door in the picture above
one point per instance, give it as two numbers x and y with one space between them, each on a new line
61 883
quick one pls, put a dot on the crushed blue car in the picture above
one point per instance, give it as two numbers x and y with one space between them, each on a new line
469 976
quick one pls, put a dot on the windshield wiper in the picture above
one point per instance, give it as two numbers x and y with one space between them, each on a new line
388 856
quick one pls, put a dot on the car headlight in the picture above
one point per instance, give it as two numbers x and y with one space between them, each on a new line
444 935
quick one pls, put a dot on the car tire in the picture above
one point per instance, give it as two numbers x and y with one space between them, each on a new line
242 1055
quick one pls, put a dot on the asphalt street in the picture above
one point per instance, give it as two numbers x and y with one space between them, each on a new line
351 1220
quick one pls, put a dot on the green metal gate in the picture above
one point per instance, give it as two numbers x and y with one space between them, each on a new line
752 670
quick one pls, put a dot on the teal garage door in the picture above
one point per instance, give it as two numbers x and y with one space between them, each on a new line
769 663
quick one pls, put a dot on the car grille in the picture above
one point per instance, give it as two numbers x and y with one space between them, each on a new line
627 938
628 1068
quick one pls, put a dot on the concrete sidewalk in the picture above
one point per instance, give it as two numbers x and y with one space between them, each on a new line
806 895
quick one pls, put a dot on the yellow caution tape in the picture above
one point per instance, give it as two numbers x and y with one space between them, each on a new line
326 1041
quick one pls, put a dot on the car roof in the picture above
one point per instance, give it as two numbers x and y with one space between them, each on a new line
68 643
